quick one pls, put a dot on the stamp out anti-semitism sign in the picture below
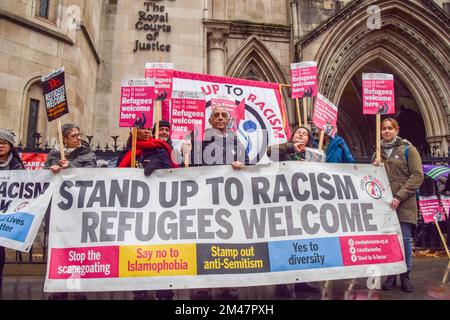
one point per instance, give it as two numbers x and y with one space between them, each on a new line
265 121
325 115
378 93
431 209
304 79
187 115
54 88
24 198
162 75
136 102
186 228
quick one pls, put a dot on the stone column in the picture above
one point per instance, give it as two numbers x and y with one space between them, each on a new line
438 145
216 51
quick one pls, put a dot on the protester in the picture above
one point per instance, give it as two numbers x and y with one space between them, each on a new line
404 170
9 160
151 154
78 152
220 146
336 150
295 151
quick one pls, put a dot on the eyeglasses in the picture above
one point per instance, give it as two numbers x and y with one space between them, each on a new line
75 135
4 143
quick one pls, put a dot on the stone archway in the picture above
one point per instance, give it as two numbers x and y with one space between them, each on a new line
412 41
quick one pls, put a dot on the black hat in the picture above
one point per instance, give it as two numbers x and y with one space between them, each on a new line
162 123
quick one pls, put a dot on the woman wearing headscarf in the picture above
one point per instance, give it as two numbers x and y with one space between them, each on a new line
405 173
9 160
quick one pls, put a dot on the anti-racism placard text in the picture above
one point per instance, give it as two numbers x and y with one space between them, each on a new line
33 161
304 79
197 227
378 93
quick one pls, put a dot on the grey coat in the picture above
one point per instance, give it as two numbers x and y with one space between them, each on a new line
82 157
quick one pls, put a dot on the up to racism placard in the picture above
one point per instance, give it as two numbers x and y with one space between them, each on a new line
325 115
24 198
304 79
378 93
264 121
137 97
187 116
431 209
162 74
55 96
197 228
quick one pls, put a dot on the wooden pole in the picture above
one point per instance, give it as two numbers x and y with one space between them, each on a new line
186 159
322 135
157 118
305 112
378 135
61 143
297 103
442 238
133 147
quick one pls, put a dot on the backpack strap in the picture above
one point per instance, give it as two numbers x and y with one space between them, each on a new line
406 152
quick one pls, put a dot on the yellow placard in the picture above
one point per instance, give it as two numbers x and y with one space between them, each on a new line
158 260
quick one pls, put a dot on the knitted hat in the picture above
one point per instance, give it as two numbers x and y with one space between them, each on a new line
162 123
7 136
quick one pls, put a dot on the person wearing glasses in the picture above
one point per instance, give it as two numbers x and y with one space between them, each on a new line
78 153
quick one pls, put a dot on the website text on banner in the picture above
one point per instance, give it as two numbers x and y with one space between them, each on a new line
162 74
378 93
24 198
187 228
265 121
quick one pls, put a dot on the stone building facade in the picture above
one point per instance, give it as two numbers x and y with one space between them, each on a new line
102 42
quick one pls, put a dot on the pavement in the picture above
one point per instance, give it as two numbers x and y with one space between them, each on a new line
430 277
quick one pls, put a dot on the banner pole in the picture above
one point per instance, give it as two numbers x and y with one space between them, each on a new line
157 118
133 147
442 238
297 103
61 143
305 108
322 135
378 135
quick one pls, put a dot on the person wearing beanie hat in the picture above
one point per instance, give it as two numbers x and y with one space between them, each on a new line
9 160
77 151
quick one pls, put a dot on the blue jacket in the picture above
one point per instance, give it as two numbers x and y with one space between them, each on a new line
338 151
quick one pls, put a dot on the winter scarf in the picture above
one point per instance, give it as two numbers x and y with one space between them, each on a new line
142 146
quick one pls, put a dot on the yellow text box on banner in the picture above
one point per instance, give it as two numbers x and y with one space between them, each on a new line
158 260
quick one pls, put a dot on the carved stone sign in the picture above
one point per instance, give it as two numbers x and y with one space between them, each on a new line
153 20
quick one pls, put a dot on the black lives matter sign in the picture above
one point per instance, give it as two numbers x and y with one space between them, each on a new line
55 94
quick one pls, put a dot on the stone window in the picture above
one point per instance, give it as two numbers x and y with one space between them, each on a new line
35 116
47 10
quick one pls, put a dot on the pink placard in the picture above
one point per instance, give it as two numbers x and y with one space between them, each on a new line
378 93
325 115
304 79
136 103
446 205
361 250
84 263
188 115
237 111
162 75
431 209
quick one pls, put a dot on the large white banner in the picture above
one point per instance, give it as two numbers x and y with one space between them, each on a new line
264 122
214 227
24 198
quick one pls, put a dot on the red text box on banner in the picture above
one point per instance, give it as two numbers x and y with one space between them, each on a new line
378 93
162 75
431 209
34 161
304 79
136 102
188 115
84 263
325 115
